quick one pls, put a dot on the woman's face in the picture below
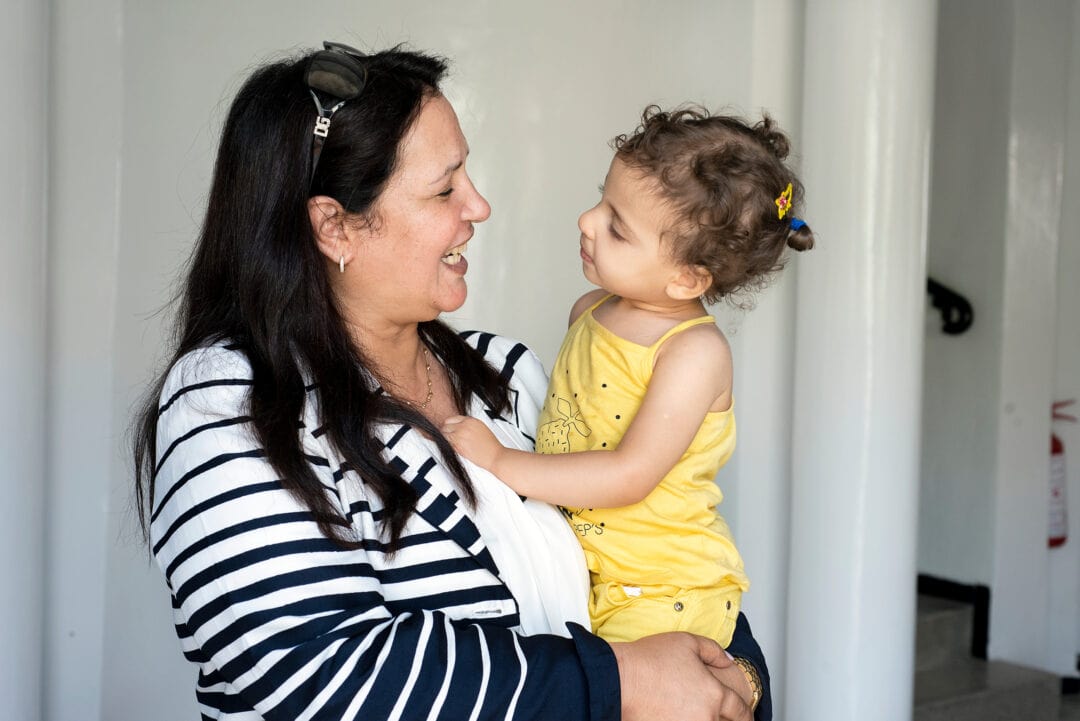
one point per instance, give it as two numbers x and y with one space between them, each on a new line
410 265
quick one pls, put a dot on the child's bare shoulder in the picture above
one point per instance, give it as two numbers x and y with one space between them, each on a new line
705 342
585 302
698 361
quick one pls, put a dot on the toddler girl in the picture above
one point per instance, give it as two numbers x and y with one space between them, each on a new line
639 413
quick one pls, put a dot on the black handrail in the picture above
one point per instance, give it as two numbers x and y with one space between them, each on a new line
957 314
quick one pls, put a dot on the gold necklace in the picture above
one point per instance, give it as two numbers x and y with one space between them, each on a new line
430 393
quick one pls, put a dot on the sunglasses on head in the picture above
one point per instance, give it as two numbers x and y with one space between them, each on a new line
338 74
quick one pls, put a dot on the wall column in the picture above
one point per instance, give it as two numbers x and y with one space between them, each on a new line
757 479
1020 611
867 116
24 53
86 431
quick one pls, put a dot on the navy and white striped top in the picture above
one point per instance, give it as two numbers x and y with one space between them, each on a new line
283 624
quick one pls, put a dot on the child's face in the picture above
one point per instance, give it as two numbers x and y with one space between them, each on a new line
621 246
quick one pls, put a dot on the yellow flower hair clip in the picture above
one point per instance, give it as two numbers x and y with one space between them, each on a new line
783 203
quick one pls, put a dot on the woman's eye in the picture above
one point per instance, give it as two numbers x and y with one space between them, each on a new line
446 193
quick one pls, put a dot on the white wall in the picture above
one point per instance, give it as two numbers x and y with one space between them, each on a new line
144 87
966 251
1064 614
1019 621
23 122
996 219
84 196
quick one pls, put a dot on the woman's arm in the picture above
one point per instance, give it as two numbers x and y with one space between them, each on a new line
285 623
691 372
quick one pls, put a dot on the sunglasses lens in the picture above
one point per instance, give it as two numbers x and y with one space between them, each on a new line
336 74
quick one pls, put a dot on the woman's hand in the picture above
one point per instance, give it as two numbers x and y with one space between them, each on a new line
472 439
678 676
735 679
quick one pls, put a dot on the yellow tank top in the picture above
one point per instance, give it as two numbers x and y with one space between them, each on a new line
674 536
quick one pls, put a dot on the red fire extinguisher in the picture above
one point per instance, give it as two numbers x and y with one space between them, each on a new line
1059 526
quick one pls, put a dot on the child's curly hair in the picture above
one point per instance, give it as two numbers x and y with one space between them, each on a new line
722 178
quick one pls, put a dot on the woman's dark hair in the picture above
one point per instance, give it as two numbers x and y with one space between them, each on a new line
722 178
257 280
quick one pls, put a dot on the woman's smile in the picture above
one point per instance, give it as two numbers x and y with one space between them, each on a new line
456 258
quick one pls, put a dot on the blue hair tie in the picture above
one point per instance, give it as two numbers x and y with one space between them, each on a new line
796 223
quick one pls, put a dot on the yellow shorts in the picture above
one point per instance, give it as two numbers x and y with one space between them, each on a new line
626 613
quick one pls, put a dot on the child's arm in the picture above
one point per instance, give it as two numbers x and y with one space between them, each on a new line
692 375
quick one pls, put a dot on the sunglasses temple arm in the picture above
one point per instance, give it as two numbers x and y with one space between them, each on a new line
316 151
322 129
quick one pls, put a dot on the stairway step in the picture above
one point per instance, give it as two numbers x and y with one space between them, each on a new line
943 632
1070 708
976 690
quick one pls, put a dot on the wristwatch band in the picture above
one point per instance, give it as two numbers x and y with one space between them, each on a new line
752 678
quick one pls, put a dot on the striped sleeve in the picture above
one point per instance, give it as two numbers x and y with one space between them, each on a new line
283 624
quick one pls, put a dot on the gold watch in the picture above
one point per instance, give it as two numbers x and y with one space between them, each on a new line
752 678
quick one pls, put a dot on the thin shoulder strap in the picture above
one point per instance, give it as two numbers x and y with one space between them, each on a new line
598 303
700 320
584 315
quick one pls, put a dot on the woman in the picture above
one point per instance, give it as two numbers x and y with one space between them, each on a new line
328 554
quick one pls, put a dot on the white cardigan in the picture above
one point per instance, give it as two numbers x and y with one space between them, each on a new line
284 624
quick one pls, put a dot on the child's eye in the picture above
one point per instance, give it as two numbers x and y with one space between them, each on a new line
615 233
600 188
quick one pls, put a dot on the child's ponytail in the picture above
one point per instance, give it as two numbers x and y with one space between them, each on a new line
800 237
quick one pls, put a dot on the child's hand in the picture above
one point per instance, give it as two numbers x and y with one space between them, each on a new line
472 439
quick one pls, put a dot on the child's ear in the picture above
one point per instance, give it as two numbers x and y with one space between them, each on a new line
692 281
328 224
